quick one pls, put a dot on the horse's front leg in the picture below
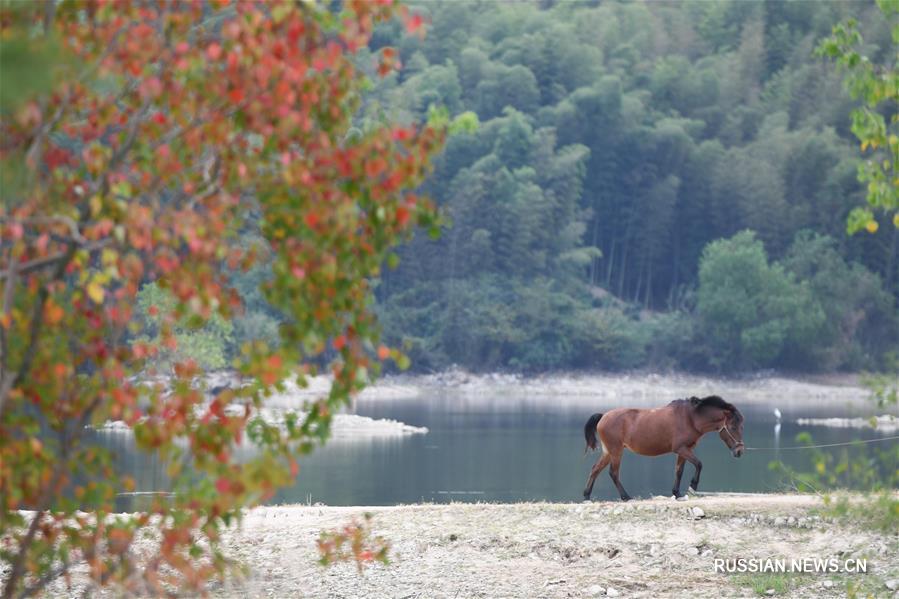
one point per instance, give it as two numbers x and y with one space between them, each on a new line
687 454
678 473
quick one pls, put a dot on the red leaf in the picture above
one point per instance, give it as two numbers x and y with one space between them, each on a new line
402 216
236 95
375 167
214 51
414 23
223 485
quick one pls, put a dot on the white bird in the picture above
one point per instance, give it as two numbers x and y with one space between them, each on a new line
777 414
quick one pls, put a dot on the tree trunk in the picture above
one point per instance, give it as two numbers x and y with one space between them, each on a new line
611 262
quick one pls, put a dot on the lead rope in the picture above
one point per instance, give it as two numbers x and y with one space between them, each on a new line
824 445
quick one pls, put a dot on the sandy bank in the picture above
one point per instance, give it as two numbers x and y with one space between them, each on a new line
344 427
647 549
837 393
646 388
884 423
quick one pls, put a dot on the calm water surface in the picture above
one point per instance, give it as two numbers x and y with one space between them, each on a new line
507 450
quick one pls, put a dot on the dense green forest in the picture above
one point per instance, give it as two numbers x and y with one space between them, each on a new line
618 142
659 185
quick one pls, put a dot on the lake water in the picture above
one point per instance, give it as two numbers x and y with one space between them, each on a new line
505 450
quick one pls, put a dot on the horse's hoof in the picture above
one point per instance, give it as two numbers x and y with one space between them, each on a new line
681 498
691 490
626 498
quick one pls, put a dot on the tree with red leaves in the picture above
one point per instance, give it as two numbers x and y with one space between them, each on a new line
134 159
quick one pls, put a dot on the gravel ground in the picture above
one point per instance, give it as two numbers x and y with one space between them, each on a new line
645 548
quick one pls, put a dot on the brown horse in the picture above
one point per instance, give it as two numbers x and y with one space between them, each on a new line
675 428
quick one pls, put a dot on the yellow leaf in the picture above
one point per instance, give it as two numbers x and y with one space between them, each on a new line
96 204
96 292
872 226
108 256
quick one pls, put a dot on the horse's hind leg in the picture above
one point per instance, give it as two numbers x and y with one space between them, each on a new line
613 472
678 473
597 468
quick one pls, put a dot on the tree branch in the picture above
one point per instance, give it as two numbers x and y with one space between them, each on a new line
37 322
53 218
43 505
39 263
5 311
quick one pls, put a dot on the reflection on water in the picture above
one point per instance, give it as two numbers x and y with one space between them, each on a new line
505 449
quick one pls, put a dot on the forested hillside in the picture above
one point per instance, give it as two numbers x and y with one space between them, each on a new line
659 184
651 184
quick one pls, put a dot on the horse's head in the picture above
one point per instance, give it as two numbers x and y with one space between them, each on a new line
719 415
731 432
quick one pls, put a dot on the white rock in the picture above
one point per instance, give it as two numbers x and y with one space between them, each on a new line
827 584
693 551
770 592
610 592
596 590
697 513
893 584
780 521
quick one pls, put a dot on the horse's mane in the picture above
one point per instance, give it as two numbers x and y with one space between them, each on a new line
712 401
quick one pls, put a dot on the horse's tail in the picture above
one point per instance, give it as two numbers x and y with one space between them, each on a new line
590 432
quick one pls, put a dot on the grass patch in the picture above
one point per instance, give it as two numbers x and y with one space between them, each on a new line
866 587
781 582
878 511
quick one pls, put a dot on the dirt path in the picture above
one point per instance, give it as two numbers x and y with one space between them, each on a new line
648 548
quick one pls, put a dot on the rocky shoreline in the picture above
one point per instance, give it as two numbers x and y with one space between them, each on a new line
642 549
